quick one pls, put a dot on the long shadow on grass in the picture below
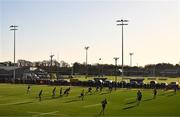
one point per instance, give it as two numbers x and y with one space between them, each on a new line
132 102
75 100
171 95
50 98
148 99
129 107
57 97
165 93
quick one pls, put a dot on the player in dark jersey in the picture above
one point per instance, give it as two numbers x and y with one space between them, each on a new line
89 90
82 95
154 93
40 94
139 97
101 88
103 104
54 92
28 89
60 91
175 88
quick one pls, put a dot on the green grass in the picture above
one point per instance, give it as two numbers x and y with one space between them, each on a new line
15 102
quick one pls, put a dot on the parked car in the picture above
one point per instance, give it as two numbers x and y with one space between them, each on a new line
173 84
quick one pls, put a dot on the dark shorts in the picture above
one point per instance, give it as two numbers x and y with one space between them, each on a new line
103 106
139 98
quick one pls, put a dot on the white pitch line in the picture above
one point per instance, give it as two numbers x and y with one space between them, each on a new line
49 113
33 112
59 114
15 103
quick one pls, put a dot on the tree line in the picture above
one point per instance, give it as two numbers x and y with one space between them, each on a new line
161 69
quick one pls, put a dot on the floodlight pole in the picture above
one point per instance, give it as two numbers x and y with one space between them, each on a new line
131 58
72 69
51 56
14 28
86 48
121 22
154 70
116 58
99 67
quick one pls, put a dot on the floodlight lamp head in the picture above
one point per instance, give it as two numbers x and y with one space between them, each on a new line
122 20
116 58
118 20
87 47
131 53
51 56
13 26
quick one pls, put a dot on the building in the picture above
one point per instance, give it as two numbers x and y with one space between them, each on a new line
23 63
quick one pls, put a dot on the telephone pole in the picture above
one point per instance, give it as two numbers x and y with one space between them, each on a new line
14 28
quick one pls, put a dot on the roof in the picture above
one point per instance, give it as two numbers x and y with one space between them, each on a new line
8 68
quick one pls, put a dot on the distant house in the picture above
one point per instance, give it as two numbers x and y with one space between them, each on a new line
7 63
6 72
22 73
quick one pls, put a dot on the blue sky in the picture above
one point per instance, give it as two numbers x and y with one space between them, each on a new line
65 27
